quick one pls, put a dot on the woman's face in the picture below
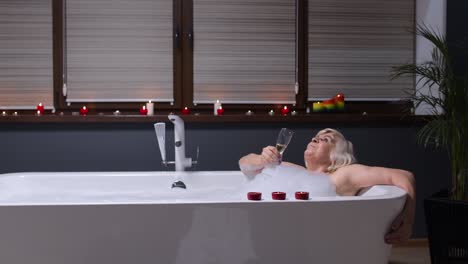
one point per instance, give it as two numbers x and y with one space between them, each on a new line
319 149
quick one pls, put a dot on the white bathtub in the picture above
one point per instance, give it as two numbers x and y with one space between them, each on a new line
134 217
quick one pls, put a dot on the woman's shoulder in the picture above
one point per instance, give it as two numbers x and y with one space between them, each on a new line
351 168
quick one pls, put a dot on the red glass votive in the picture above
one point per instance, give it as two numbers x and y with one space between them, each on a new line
285 110
185 111
220 110
278 195
84 110
143 110
255 196
302 195
40 109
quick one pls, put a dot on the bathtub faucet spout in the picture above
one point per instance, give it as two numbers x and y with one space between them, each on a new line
181 161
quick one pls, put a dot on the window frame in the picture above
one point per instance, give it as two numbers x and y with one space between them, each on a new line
183 70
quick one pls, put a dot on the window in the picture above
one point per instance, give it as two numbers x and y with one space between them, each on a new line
118 54
352 46
26 54
118 51
244 51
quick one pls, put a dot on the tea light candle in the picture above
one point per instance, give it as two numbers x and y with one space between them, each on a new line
116 112
220 110
278 195
185 111
84 111
294 113
317 107
143 110
38 112
271 113
40 109
4 113
249 113
15 113
285 110
150 108
301 195
217 105
254 196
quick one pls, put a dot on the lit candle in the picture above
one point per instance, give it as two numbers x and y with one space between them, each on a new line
15 113
116 112
285 110
38 112
272 113
339 101
185 111
4 113
317 107
84 111
143 110
249 113
220 110
217 105
40 109
150 108
294 113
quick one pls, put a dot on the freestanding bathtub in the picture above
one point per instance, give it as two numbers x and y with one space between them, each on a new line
135 217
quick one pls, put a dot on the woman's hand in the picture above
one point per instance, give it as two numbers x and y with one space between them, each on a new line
400 230
253 164
270 156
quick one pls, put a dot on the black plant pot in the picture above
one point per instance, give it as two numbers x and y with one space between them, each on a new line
447 229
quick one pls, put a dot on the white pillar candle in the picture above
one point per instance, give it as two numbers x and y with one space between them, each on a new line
217 105
150 107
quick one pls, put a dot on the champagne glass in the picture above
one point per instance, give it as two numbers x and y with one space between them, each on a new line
284 137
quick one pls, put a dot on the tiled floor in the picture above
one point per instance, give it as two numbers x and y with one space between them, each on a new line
410 255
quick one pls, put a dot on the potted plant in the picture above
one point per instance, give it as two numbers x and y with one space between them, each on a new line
447 127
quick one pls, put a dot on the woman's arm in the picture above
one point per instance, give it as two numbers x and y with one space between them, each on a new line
253 164
362 176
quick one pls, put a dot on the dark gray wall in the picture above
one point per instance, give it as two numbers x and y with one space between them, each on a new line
133 147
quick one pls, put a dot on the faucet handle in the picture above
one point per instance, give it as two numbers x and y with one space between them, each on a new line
165 163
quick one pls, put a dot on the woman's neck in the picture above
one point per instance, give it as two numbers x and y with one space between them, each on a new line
322 168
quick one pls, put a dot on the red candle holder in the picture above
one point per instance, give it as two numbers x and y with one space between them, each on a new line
301 195
143 110
220 110
254 196
185 111
40 109
84 111
278 195
285 110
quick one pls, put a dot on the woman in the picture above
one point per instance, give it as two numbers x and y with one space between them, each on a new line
330 153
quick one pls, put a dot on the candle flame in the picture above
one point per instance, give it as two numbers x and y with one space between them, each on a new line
84 107
144 107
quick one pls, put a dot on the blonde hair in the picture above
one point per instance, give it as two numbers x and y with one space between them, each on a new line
342 154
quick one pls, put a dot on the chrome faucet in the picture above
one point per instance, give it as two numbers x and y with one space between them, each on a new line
181 161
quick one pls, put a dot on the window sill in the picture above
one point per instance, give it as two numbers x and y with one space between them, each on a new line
322 118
